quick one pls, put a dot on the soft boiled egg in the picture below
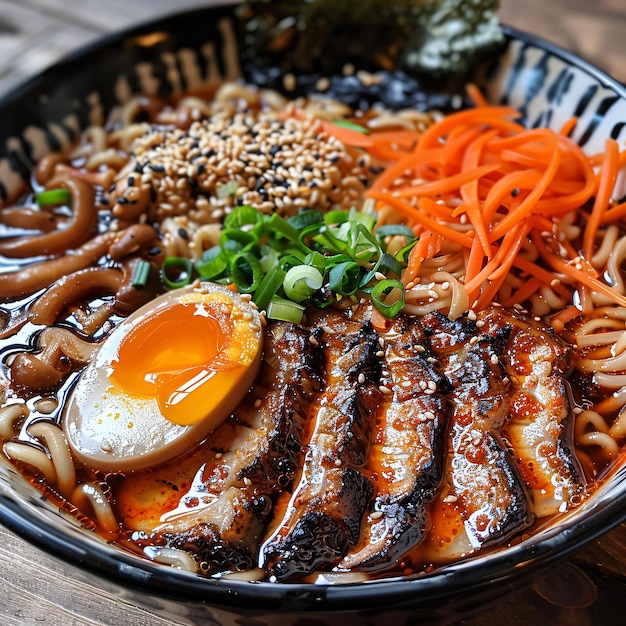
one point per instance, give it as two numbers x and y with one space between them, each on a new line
165 378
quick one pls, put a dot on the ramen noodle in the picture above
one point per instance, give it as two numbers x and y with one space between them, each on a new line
159 180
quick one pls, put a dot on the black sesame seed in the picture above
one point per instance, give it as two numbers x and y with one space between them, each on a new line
122 200
131 181
157 168
515 192
274 150
183 234
154 251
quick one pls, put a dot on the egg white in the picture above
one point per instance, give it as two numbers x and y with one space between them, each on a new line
109 429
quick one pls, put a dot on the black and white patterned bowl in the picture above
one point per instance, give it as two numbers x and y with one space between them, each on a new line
192 50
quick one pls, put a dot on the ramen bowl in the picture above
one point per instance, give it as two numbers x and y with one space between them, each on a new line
546 84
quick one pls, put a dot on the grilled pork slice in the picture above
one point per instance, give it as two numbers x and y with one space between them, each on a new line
406 457
483 478
323 518
225 531
539 428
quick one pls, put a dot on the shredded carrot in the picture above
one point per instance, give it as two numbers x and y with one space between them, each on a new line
479 180
559 320
606 184
476 95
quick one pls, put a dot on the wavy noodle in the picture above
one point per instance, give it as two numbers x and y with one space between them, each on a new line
30 455
171 556
9 416
90 495
59 452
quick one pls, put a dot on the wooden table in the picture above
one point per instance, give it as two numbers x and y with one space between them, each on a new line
589 589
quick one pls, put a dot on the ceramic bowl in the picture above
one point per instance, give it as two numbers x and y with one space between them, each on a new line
189 51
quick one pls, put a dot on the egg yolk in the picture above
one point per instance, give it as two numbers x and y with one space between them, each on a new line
174 356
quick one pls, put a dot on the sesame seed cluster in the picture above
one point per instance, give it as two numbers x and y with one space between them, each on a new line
243 158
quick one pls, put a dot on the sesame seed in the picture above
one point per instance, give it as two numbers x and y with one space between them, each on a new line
375 515
494 359
361 378
385 390
246 481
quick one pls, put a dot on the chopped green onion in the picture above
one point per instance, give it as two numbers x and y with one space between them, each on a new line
269 286
242 216
246 272
141 273
388 297
53 196
352 126
301 282
344 278
212 264
285 310
176 272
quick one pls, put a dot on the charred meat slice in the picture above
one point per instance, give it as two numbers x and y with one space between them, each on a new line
225 532
483 477
324 515
407 454
539 428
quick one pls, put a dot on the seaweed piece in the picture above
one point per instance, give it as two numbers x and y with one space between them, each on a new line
432 38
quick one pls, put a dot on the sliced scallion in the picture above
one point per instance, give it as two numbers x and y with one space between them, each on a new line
388 297
301 282
352 126
176 272
344 278
271 283
213 264
53 197
141 273
285 310
246 272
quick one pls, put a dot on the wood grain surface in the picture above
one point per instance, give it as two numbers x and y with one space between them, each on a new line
589 589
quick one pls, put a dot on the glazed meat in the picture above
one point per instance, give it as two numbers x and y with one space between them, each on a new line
540 411
323 517
482 474
354 445
406 457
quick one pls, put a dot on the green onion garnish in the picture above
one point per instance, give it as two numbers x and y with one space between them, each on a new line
388 297
301 282
285 310
176 272
309 258
53 197
141 273
352 126
246 272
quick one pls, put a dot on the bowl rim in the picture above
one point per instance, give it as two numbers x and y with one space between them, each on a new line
89 553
